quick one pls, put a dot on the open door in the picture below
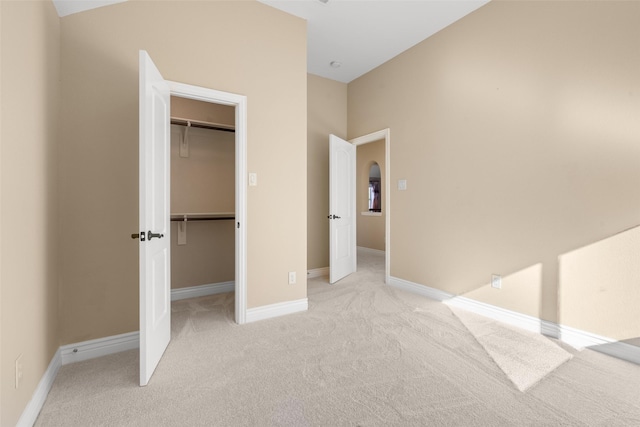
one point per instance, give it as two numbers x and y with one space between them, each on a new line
155 260
342 208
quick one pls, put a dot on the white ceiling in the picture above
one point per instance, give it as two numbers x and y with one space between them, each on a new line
69 7
363 34
360 34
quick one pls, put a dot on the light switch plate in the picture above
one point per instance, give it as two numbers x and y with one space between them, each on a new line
402 184
253 179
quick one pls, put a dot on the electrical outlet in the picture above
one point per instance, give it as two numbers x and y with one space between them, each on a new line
292 277
496 281
19 371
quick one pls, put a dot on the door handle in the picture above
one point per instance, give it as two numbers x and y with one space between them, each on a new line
333 217
151 235
140 236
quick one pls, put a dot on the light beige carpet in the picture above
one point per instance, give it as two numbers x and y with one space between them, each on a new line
364 354
525 357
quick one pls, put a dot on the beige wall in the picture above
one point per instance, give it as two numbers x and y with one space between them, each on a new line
208 257
370 232
327 114
517 131
29 221
263 56
600 286
204 182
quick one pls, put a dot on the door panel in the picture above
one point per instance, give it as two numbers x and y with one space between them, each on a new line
155 273
342 208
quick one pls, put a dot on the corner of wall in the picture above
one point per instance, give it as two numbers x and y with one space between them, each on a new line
326 114
30 60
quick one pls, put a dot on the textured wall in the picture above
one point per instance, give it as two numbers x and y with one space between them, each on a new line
30 34
517 130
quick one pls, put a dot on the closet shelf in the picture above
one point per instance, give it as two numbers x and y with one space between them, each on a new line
212 216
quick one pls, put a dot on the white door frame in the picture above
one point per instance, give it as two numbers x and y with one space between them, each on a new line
240 103
366 139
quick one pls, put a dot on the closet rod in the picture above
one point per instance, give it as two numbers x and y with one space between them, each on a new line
202 125
202 216
219 218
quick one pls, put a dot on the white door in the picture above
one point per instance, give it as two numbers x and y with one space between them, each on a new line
155 273
342 208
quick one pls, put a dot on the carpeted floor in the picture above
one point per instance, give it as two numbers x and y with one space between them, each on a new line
364 354
525 357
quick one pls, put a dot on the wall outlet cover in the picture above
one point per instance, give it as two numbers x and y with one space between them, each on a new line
19 371
496 281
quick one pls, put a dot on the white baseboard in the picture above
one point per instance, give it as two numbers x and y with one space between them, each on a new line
513 318
99 347
32 410
550 329
275 310
202 290
581 339
574 337
91 349
370 251
318 272
415 288
621 350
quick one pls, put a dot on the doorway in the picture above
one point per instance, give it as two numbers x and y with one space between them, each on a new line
238 102
382 135
342 203
202 202
370 225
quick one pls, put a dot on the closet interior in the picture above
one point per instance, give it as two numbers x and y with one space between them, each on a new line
202 196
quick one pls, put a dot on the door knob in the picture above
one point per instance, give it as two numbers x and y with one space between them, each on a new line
140 236
151 235
333 217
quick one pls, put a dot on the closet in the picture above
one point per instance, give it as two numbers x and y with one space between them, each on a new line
202 196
